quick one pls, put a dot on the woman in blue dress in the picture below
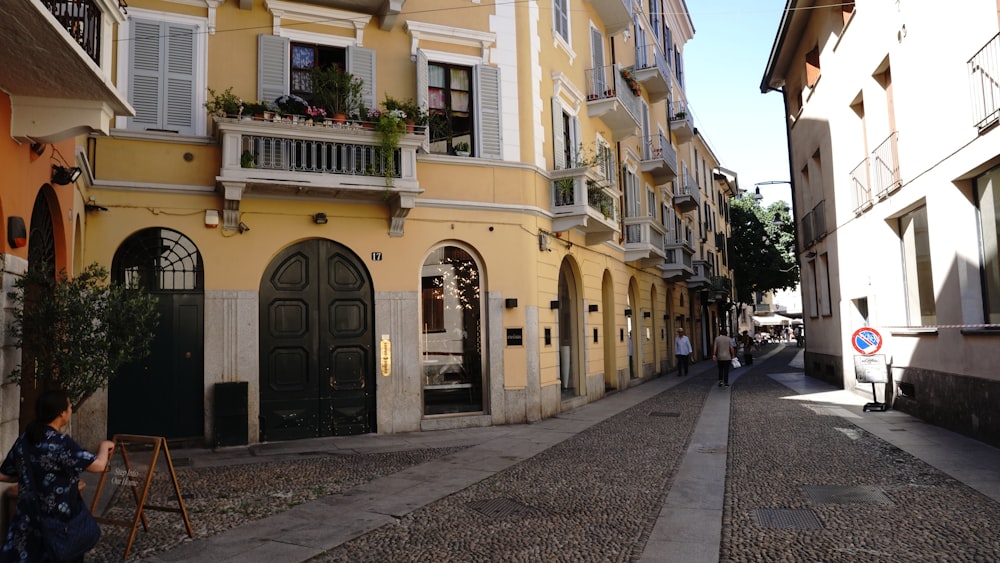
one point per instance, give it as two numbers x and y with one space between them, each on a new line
46 466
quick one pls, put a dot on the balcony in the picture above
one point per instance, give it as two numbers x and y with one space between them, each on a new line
984 81
335 162
652 70
659 158
616 14
702 274
681 122
644 241
885 167
687 198
610 98
678 259
860 187
57 65
583 199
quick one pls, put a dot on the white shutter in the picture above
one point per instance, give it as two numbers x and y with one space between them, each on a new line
597 55
272 67
179 106
558 146
144 76
361 63
488 112
422 84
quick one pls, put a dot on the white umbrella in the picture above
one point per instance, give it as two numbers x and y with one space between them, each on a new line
771 320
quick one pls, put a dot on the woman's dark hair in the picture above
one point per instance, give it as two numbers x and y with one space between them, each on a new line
48 407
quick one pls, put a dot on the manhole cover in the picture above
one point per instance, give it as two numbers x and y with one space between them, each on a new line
666 414
787 519
846 494
498 508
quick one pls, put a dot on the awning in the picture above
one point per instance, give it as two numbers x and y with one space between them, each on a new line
771 320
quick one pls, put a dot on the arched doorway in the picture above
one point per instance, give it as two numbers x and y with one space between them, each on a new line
164 393
632 317
570 322
610 334
317 360
451 321
41 257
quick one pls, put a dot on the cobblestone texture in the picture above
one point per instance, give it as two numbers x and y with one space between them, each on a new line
595 496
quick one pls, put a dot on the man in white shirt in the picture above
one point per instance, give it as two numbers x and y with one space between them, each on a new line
682 349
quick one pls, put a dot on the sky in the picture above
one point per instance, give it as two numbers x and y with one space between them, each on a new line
724 64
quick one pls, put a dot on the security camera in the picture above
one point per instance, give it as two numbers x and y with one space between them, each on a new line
243 227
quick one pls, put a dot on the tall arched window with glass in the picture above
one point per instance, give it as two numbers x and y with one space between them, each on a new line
451 332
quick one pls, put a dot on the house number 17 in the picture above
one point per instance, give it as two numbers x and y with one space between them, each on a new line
376 256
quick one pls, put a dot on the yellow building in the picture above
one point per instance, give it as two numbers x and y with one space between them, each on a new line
529 247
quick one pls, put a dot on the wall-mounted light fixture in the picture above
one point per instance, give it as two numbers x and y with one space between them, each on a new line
510 303
646 314
17 234
553 304
38 148
62 176
628 312
320 218
811 254
592 307
243 227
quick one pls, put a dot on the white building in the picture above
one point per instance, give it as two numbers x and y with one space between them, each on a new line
892 112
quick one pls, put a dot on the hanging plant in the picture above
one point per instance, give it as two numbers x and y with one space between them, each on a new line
390 127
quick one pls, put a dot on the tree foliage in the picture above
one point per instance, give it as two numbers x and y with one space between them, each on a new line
79 331
763 252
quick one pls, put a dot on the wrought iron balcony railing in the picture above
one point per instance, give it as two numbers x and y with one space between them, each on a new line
82 20
984 82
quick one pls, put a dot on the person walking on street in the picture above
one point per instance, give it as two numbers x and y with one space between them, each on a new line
723 353
46 466
746 342
682 349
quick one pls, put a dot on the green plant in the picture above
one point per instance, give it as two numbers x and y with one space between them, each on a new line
412 111
336 90
390 127
248 160
462 146
79 331
223 104
257 108
564 190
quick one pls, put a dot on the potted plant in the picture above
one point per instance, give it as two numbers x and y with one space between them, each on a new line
633 85
390 127
317 114
224 104
248 160
462 148
337 90
414 114
564 191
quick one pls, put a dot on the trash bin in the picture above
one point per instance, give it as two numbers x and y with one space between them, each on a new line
231 413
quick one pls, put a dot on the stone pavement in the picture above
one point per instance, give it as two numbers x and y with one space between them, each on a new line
779 467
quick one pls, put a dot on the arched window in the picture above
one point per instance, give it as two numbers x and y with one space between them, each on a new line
159 260
451 332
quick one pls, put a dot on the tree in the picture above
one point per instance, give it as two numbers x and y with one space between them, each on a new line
79 331
763 252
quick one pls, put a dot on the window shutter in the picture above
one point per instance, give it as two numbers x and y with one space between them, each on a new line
488 112
180 103
361 63
272 67
422 83
558 147
144 76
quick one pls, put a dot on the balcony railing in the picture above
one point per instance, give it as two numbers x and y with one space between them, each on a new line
644 241
611 98
582 198
681 122
82 20
984 82
323 160
885 167
687 198
678 258
659 158
651 68
861 189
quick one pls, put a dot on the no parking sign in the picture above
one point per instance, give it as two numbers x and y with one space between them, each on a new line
866 340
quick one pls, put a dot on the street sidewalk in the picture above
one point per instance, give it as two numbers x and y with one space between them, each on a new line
690 526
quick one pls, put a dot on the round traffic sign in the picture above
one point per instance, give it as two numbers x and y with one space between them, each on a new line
866 340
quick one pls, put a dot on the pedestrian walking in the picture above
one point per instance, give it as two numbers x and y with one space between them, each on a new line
723 353
46 466
682 349
746 342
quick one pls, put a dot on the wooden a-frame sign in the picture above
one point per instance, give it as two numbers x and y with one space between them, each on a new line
121 442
